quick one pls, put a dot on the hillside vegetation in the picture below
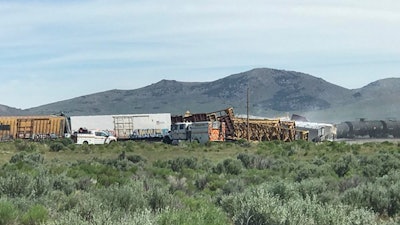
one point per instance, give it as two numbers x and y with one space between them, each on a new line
59 182
272 93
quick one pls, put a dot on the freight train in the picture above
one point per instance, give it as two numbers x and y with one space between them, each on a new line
33 127
124 127
369 129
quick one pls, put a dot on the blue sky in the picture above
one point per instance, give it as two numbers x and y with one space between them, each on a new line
57 50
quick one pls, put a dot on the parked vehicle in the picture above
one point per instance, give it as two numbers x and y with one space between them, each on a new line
84 136
201 132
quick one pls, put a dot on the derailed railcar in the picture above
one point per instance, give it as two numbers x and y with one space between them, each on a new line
32 127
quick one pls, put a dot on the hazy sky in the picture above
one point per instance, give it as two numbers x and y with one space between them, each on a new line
57 50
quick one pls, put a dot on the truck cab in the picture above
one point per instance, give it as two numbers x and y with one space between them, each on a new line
93 137
200 132
179 132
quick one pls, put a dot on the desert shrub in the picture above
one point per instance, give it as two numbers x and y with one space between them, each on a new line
105 216
201 181
40 184
136 158
305 171
313 187
229 166
370 196
15 184
233 186
101 174
203 214
258 206
232 166
319 161
37 214
121 164
378 164
177 183
65 141
159 197
343 165
8 212
27 158
56 146
382 196
246 159
350 182
22 145
178 164
128 198
63 183
283 190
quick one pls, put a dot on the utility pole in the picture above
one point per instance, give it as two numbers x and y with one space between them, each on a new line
248 124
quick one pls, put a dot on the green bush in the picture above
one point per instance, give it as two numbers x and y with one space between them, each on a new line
206 214
233 186
15 184
229 166
22 145
382 196
343 165
40 184
56 146
63 183
159 198
37 214
258 206
8 213
128 198
136 158
178 164
27 158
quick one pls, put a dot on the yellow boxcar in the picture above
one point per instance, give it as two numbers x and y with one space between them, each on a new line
30 127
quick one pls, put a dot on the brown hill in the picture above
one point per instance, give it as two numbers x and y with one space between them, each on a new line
271 92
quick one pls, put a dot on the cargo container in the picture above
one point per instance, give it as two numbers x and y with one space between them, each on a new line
127 126
32 127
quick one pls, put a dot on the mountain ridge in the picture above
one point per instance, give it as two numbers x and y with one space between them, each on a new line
271 92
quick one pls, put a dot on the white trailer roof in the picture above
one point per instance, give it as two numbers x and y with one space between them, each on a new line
106 122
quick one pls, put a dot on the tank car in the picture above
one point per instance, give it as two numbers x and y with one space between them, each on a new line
393 128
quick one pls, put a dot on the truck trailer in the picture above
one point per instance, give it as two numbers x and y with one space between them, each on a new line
127 126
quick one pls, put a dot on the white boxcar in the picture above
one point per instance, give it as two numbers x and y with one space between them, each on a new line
128 126
142 126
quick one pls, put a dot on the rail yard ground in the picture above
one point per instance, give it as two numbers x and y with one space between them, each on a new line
58 182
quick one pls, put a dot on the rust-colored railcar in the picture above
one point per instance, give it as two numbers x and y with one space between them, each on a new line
31 127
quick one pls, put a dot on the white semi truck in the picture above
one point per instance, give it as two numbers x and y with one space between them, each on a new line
201 132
